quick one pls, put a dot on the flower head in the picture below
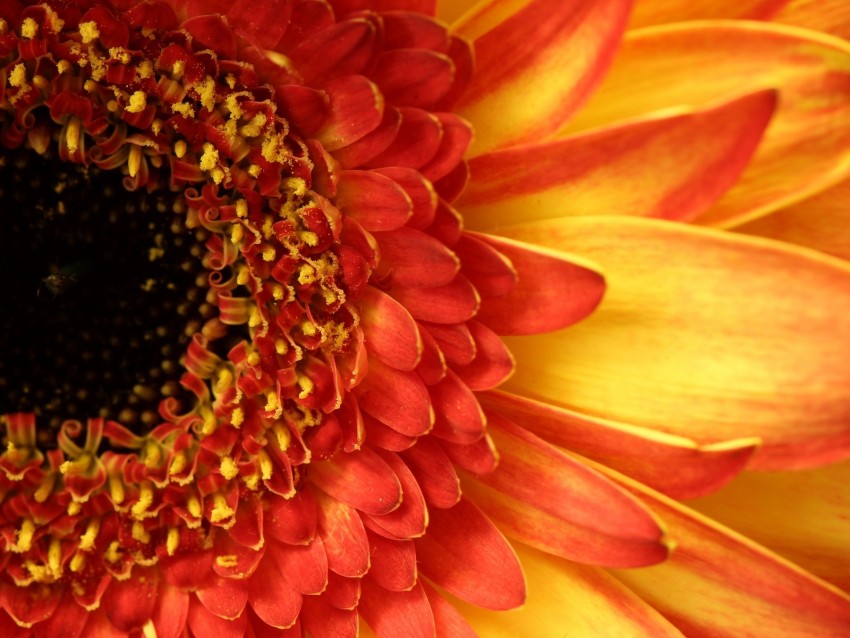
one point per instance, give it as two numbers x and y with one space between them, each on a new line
261 271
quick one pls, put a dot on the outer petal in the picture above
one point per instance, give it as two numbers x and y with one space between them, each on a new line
807 146
801 515
670 165
828 16
664 11
542 497
582 601
685 343
673 465
821 222
728 586
559 50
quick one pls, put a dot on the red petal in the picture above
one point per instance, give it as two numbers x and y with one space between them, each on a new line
389 330
418 189
344 537
414 77
459 418
271 597
393 563
466 555
434 473
129 604
449 621
546 499
340 49
493 362
489 271
457 134
321 620
455 302
416 258
356 110
170 611
554 291
205 623
360 479
305 567
397 398
397 614
376 201
29 605
411 517
342 592
416 142
225 597
455 341
68 621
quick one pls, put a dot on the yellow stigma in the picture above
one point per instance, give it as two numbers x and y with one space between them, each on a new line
89 32
24 537
88 538
116 490
237 418
194 506
73 135
180 148
134 160
140 533
18 77
242 208
145 501
209 160
221 510
172 541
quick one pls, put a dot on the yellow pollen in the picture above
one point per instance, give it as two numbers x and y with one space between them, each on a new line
180 148
178 68
228 467
306 274
18 77
74 508
63 66
308 237
296 185
206 93
134 160
88 538
185 110
29 28
40 82
284 438
253 359
73 135
140 533
138 102
218 174
254 171
280 346
242 208
194 506
271 400
24 537
145 69
236 233
113 552
277 291
237 418
149 629
308 329
172 541
89 32
120 54
144 502
254 318
221 510
209 160
269 253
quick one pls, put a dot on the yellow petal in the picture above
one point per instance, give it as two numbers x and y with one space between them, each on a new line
802 516
829 16
805 149
649 12
702 334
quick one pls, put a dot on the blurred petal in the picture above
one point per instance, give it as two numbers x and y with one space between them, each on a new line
670 165
685 344
649 12
544 498
821 222
566 599
806 147
559 50
727 586
816 536
673 465
829 16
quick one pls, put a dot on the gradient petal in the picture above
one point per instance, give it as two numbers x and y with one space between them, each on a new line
651 12
559 50
806 147
816 536
695 349
829 16
669 165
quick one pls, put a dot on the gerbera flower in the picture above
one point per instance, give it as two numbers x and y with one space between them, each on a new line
258 295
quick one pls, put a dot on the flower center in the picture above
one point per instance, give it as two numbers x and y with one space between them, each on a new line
92 327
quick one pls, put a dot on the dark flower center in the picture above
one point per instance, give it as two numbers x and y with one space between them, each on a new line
103 289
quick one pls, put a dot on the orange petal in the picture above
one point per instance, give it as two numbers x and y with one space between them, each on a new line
566 599
702 334
390 332
829 16
816 536
559 50
718 583
673 465
670 165
806 147
544 498
651 12
821 222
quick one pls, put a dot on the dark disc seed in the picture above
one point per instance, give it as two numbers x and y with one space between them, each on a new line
99 287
